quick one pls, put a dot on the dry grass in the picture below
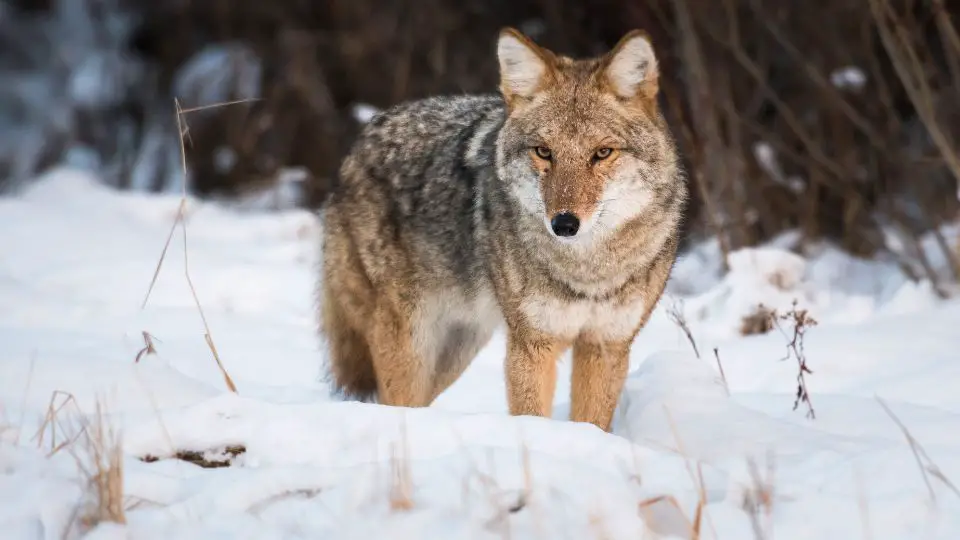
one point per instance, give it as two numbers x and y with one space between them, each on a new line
758 499
801 321
97 450
524 499
723 375
148 346
926 465
676 316
696 479
180 219
760 321
664 514
500 521
99 456
401 487
60 435
765 319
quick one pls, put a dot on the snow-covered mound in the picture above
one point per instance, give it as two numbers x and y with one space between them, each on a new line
281 459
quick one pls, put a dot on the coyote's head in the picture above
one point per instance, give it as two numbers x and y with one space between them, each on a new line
584 144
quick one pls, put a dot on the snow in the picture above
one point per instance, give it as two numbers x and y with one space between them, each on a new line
849 77
78 262
767 158
364 112
287 190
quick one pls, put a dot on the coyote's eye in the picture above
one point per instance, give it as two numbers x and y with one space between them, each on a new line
542 152
602 154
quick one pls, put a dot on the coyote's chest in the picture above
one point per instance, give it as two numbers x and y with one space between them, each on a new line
612 320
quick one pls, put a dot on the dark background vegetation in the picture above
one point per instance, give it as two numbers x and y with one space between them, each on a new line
775 132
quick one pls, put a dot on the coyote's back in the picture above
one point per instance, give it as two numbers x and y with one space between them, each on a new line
552 207
400 225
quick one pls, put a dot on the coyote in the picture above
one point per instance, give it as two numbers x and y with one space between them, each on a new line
552 206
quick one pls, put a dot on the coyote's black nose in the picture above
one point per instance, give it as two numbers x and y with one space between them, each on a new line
565 224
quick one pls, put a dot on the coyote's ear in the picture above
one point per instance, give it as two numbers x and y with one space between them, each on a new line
631 67
523 65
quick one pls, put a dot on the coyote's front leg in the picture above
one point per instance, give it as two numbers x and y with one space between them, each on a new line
599 371
531 371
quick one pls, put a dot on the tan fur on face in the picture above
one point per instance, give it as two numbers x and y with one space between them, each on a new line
564 188
574 108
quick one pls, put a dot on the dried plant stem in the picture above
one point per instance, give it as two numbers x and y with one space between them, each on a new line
801 321
101 462
906 62
675 314
723 376
401 490
924 463
182 131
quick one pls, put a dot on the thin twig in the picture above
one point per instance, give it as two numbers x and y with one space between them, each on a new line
723 376
907 65
102 466
920 455
163 253
697 480
179 220
148 347
216 105
401 491
186 263
760 497
675 314
801 321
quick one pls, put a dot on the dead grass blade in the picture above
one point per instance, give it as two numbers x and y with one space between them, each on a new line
182 131
52 422
649 511
401 490
148 347
500 520
217 105
723 376
924 463
166 245
697 479
675 314
524 497
759 498
99 456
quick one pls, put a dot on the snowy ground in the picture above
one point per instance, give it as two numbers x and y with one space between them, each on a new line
77 261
